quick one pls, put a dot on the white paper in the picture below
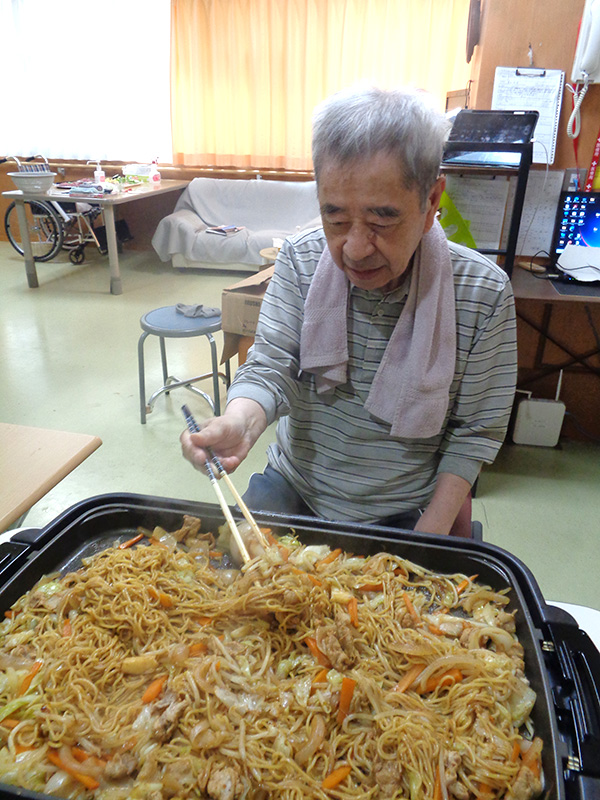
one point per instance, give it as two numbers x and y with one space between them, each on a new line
520 89
481 202
539 211
582 263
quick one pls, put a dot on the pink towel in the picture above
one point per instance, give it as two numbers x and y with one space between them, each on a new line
411 386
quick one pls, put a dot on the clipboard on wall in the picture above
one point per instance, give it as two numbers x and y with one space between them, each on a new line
540 90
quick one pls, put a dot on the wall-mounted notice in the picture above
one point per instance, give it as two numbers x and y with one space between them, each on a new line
531 89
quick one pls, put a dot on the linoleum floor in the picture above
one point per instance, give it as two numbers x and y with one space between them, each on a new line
68 361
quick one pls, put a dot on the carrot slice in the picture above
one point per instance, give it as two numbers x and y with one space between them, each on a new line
346 694
67 629
79 754
409 678
89 782
410 607
321 675
514 756
131 542
198 648
437 786
335 777
312 645
154 689
165 600
8 722
448 678
329 558
37 665
436 630
371 587
531 758
353 611
465 583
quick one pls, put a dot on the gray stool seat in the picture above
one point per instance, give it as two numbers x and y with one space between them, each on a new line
167 323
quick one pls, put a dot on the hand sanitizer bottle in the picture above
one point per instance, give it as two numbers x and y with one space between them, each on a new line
99 175
154 176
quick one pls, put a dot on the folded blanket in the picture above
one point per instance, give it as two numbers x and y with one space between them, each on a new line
411 386
197 310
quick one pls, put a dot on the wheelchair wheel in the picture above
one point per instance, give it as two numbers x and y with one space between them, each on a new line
77 256
45 229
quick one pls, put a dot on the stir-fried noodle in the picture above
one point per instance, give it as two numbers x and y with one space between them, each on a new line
153 672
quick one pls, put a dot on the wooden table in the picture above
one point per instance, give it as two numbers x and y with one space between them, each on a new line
33 461
107 202
528 287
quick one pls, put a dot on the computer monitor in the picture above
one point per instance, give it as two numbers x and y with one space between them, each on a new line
577 222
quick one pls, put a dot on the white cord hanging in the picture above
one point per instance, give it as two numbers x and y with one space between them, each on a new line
579 92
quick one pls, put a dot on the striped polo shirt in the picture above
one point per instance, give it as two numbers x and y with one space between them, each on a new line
340 459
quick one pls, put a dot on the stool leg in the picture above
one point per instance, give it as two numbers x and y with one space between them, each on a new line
141 377
163 359
227 374
215 373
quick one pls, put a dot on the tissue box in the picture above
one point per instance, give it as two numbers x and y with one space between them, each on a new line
139 171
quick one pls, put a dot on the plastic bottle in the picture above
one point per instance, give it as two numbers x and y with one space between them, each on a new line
99 175
154 176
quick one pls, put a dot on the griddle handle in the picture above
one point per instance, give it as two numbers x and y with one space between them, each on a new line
579 662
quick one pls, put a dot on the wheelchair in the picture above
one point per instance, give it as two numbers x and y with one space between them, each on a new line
53 226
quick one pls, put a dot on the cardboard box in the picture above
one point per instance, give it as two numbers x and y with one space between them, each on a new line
240 307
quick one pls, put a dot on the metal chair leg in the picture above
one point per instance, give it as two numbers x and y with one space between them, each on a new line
163 359
171 382
142 377
215 374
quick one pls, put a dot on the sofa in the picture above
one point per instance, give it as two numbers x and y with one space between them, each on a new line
263 210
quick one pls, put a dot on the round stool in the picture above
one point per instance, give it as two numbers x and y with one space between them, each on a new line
168 323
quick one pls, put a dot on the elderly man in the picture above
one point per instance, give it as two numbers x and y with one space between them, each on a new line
386 353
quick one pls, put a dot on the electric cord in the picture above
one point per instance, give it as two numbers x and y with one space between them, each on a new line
579 92
523 237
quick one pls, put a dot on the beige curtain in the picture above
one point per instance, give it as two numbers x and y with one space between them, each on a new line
246 74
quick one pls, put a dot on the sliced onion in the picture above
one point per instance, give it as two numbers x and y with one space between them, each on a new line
88 767
443 664
315 740
56 783
501 638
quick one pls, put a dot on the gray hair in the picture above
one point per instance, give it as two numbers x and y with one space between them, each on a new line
360 122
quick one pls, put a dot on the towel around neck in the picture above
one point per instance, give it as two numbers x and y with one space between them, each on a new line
410 390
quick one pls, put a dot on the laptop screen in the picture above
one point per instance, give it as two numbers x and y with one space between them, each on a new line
577 222
495 128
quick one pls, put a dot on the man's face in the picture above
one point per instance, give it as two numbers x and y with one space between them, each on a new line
372 222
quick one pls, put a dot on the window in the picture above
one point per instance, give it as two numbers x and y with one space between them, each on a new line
86 80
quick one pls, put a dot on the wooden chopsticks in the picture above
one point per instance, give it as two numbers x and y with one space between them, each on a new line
208 466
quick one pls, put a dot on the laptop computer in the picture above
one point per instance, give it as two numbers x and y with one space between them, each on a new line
577 224
491 129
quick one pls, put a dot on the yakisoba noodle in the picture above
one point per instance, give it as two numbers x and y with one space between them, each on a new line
153 673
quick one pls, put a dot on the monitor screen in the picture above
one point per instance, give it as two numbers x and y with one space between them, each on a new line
577 221
495 128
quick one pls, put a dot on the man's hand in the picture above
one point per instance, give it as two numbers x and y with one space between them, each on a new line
230 436
450 493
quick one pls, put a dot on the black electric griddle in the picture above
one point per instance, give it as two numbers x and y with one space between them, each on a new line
561 661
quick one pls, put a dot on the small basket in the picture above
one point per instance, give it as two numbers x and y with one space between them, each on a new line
33 181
